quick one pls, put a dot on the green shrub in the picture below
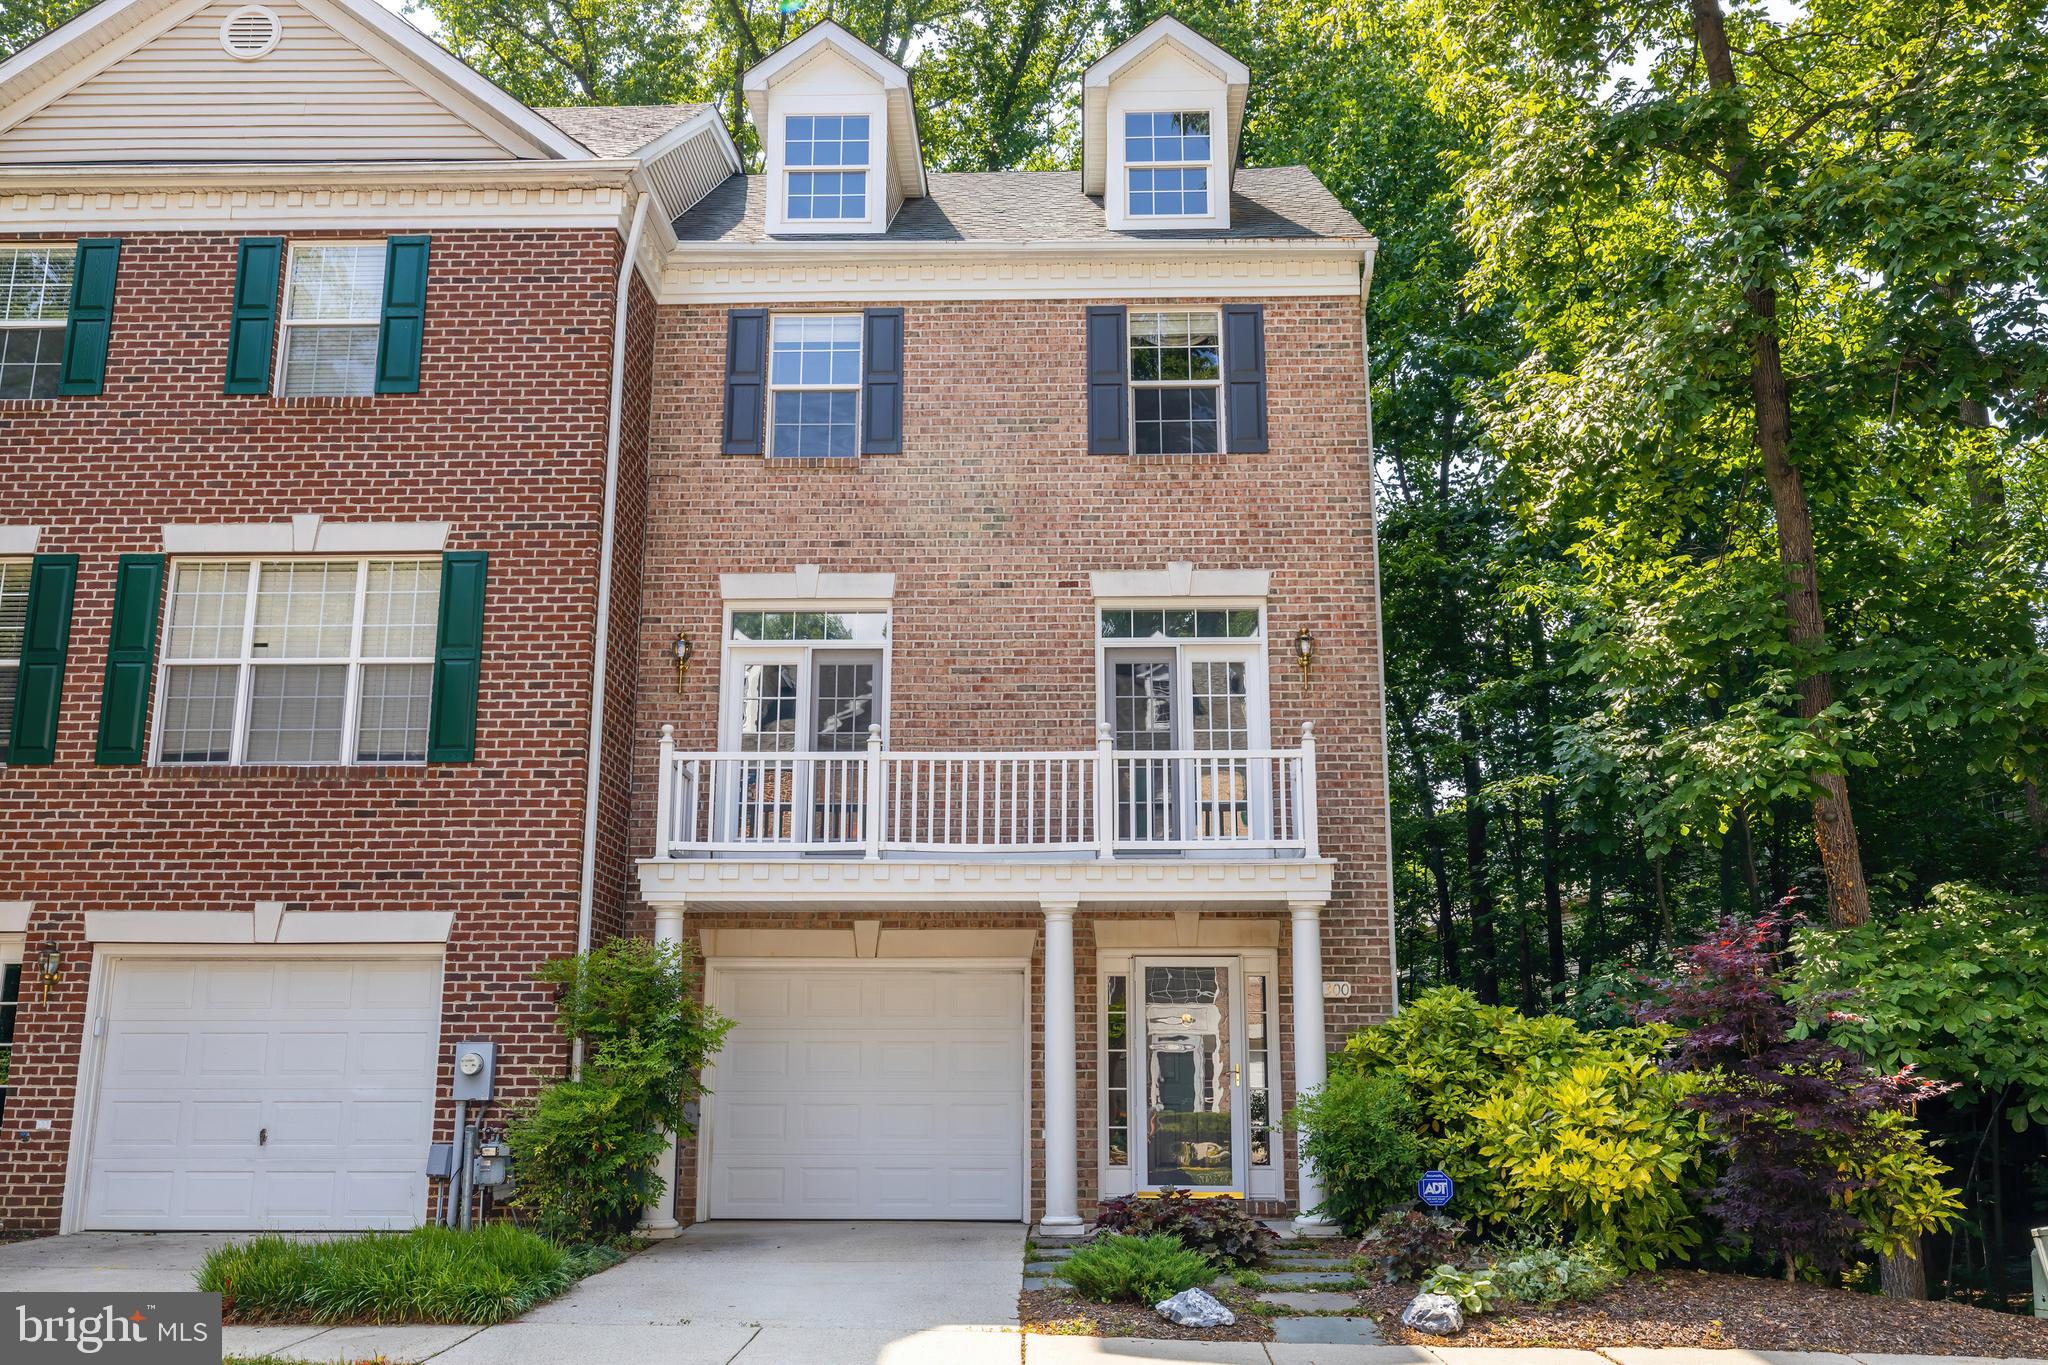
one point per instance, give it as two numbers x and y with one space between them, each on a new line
584 1153
484 1275
1548 1274
1474 1290
1359 1130
1123 1269
1408 1244
1219 1228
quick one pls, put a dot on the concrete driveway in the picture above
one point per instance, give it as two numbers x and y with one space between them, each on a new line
108 1261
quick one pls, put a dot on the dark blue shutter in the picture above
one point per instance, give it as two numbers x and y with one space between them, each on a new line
458 659
881 396
1244 377
131 659
91 323
46 639
253 325
405 315
1109 418
746 380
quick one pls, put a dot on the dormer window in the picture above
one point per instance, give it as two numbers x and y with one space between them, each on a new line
1166 157
825 157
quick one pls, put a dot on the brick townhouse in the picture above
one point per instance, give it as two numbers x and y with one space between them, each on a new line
983 567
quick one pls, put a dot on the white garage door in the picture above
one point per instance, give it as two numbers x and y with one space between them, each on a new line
869 1092
264 1094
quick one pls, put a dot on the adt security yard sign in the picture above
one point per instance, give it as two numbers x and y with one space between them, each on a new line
1434 1188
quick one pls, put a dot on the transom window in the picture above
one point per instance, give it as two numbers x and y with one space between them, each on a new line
814 387
299 661
1176 383
1166 159
334 304
35 301
13 627
826 159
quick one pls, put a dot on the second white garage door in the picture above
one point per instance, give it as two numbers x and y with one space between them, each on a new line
869 1092
260 1093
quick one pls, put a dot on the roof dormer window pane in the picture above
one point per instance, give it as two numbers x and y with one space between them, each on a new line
1150 137
1167 156
835 141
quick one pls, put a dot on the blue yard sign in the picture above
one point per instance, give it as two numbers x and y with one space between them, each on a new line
1434 1188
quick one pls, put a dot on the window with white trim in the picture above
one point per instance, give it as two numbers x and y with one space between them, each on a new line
298 661
814 386
333 309
1176 382
14 575
825 167
1166 163
35 303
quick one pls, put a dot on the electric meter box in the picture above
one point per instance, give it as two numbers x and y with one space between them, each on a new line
475 1064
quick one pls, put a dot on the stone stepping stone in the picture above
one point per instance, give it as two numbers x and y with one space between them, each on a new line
1309 1263
1302 1277
1042 1267
1052 1253
1328 1331
1310 1301
1032 1282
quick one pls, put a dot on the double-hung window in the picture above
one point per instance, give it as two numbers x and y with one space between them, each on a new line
814 370
1166 162
35 302
298 661
14 575
334 297
1176 383
825 160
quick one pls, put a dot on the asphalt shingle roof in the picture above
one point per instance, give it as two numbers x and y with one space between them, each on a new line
1037 206
619 129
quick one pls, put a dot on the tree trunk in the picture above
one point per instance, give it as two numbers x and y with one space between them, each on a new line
1525 961
2037 816
1834 823
1553 890
1593 934
1664 934
1903 1274
1485 951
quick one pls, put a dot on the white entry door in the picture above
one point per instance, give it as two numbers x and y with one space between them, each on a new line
868 1092
262 1093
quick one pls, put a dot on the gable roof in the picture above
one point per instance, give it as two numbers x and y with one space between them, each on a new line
619 130
91 42
1270 203
1165 31
827 35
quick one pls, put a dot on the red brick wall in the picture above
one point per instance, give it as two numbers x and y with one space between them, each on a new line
505 440
992 519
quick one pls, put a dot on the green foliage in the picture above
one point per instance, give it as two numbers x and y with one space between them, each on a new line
1549 1274
1548 1128
1217 1228
585 1151
484 1275
1358 1129
1474 1290
1957 989
1124 1269
1405 1245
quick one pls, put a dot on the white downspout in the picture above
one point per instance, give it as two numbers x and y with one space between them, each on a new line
601 635
1380 616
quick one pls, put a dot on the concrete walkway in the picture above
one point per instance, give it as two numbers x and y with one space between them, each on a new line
113 1262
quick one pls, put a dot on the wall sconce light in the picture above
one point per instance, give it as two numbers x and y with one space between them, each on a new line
52 965
682 651
1304 653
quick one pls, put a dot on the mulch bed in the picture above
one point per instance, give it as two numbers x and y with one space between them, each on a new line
1061 1312
1700 1308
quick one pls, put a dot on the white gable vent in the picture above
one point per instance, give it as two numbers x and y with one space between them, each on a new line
250 32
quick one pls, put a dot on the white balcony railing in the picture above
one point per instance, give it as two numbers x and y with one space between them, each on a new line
1092 803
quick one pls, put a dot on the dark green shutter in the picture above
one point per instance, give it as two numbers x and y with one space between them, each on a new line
254 324
405 315
131 659
458 657
45 641
92 318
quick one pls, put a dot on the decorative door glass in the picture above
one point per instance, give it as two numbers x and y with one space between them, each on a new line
1190 1076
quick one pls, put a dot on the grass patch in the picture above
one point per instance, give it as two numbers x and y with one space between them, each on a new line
428 1275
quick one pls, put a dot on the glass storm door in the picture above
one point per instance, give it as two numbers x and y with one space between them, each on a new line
1191 1045
1196 701
802 733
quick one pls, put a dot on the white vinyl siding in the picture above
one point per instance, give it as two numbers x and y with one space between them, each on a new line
333 310
298 661
318 96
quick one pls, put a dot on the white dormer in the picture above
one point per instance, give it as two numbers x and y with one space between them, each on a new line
838 134
1160 123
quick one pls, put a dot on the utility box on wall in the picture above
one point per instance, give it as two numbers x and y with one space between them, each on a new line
476 1065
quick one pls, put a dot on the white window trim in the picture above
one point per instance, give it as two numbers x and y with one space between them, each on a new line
246 665
857 388
306 534
734 655
1251 649
286 323
866 168
1134 384
1206 165
39 324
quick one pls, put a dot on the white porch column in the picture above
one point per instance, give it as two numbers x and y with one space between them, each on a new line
1062 1215
1311 1053
658 1220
